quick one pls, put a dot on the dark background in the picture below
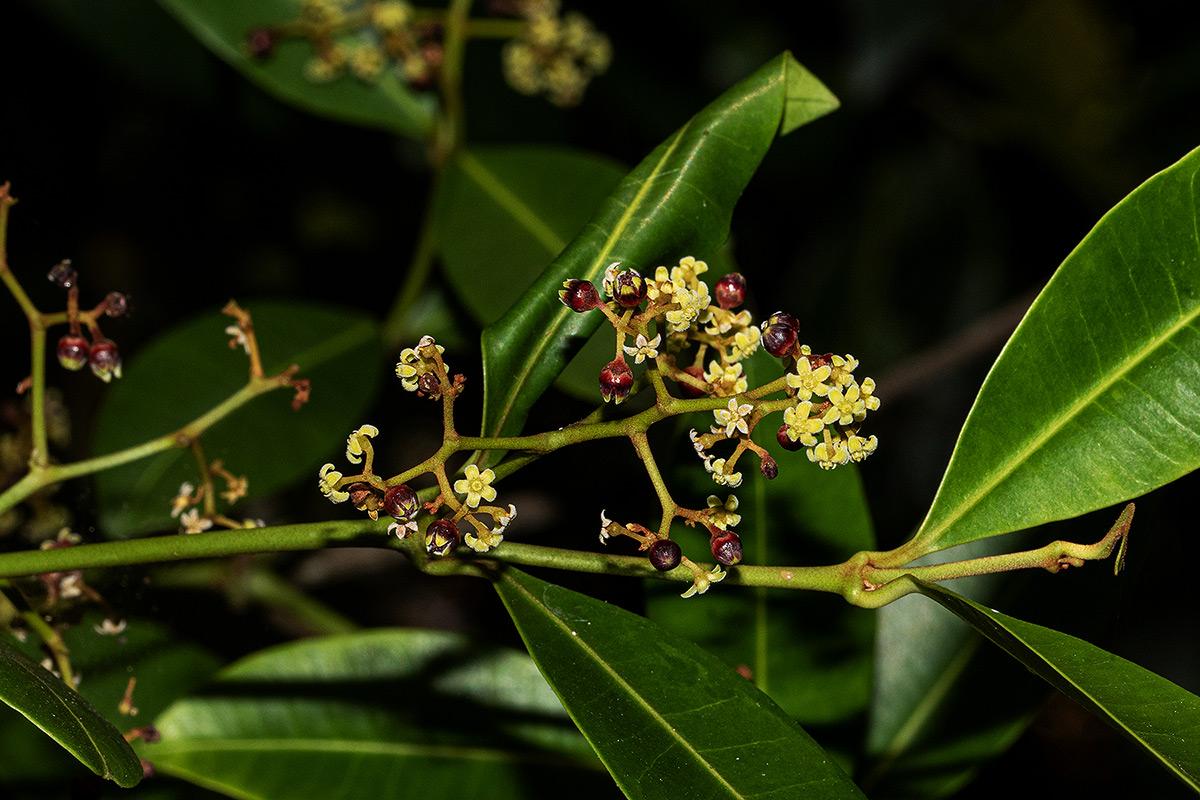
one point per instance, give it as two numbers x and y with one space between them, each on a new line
977 143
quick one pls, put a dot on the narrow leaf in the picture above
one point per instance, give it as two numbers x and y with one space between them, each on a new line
677 202
1093 400
405 712
189 369
667 719
1155 714
66 717
225 25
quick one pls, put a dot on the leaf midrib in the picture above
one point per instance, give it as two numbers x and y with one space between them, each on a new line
630 692
1050 431
551 334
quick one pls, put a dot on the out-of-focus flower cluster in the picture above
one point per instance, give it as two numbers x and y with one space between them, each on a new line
556 55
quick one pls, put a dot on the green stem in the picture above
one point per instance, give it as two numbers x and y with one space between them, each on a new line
40 477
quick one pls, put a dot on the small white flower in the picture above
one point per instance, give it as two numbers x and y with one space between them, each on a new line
239 337
192 522
644 349
605 524
702 580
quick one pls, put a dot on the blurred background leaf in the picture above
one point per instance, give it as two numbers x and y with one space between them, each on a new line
189 369
425 712
224 26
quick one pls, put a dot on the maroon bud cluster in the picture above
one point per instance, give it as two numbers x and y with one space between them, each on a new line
401 503
105 360
73 352
730 291
780 333
579 296
665 555
441 538
62 274
726 548
629 288
615 381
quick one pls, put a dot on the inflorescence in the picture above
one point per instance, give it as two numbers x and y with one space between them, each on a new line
685 334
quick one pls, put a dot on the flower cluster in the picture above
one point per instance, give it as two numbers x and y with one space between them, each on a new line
365 39
829 409
421 369
678 303
75 351
556 55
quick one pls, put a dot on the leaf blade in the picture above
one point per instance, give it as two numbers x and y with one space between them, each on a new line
66 717
678 201
223 25
1121 693
424 710
659 693
1071 417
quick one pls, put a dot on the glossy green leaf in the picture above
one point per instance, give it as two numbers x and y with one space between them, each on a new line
504 213
190 369
223 25
384 713
1155 714
668 719
1093 400
944 702
811 652
677 202
165 666
66 717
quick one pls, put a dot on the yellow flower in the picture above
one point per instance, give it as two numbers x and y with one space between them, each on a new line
807 381
723 514
701 580
476 485
357 444
859 448
846 406
721 474
870 401
800 426
829 453
328 485
644 349
733 418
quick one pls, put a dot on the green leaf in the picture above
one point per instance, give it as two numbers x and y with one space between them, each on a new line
223 25
677 202
811 652
503 213
165 666
190 369
1158 716
1093 399
668 719
404 712
66 717
944 702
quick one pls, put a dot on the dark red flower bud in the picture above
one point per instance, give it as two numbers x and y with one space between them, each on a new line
261 42
770 469
731 290
441 538
665 555
630 288
579 296
116 304
726 548
401 503
105 360
686 389
428 384
73 352
615 380
780 332
62 274
785 441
